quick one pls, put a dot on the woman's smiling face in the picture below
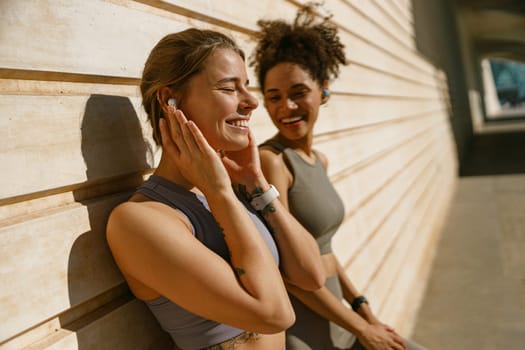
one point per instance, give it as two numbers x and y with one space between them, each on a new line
292 99
217 100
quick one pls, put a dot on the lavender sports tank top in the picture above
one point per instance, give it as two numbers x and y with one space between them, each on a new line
188 330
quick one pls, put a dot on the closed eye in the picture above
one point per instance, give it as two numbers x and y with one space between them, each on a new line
274 98
227 89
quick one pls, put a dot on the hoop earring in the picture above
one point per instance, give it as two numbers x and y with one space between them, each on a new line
326 93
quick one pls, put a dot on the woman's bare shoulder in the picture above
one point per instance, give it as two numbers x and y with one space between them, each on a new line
141 217
271 158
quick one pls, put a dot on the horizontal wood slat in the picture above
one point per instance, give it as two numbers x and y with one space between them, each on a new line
70 139
65 261
130 327
382 18
365 183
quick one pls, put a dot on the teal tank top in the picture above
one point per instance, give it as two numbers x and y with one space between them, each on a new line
312 198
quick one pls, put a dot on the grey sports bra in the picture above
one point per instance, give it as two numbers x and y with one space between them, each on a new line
312 198
188 330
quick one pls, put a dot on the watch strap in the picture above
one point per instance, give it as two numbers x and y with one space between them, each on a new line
356 303
261 201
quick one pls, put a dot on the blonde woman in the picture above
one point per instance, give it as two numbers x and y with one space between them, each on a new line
205 241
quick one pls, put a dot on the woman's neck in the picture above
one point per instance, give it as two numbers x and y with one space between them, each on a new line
303 144
168 170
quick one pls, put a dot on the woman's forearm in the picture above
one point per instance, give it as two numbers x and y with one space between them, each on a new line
301 262
250 258
328 306
300 256
350 292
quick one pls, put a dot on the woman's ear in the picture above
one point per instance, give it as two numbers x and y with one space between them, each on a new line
325 92
164 94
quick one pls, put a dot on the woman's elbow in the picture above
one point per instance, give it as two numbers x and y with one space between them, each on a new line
311 286
309 282
288 317
317 281
279 320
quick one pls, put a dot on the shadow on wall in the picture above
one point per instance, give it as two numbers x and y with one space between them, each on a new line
116 156
437 39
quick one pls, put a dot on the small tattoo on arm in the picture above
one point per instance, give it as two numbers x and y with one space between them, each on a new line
224 237
249 196
256 192
243 192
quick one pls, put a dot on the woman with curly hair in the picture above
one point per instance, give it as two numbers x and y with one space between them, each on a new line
294 64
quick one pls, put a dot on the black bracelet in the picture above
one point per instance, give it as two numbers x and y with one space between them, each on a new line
356 303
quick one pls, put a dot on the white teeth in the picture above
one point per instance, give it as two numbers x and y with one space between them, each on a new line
291 120
239 122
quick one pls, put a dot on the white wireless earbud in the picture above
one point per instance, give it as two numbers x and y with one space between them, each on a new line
172 102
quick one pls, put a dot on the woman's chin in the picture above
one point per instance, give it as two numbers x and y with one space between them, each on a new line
237 145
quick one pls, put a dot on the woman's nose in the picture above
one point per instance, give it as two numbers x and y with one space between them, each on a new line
249 102
290 104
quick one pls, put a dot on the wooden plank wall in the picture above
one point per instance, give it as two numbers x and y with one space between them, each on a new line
74 142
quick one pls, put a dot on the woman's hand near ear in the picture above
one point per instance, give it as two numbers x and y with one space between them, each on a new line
189 150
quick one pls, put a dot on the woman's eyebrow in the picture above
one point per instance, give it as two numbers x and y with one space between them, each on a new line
298 85
228 80
232 80
294 86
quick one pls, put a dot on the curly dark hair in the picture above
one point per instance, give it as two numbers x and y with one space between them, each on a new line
314 46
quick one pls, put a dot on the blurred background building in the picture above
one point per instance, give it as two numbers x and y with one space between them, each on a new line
481 47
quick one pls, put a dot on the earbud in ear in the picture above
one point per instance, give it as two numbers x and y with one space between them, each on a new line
326 93
172 102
